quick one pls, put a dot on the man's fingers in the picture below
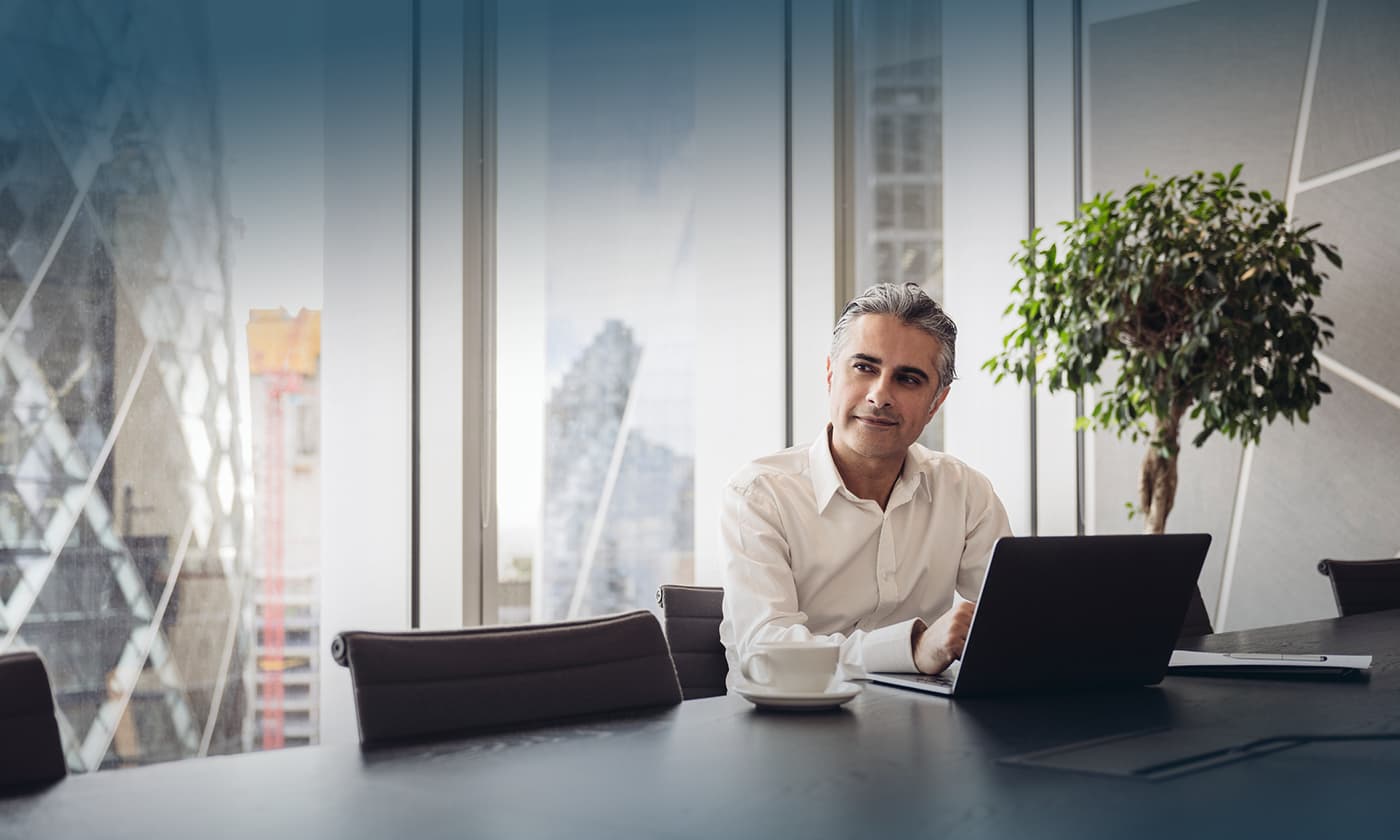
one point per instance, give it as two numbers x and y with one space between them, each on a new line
949 634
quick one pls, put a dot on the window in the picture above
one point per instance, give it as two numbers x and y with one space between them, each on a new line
159 333
629 136
884 207
897 166
915 203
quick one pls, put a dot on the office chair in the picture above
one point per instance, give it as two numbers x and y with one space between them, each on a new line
416 684
1197 622
1362 586
692 615
31 751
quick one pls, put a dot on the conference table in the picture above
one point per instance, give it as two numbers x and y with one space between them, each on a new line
891 763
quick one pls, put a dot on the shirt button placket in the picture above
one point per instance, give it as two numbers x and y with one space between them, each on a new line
884 565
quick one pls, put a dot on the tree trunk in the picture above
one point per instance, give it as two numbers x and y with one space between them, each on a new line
1157 479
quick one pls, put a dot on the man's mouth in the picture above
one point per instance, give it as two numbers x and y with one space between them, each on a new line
878 422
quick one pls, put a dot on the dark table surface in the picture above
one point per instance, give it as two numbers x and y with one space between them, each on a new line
890 763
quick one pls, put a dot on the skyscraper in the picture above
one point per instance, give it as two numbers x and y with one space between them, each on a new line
618 508
123 526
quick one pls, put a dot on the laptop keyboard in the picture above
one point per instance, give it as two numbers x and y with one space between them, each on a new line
934 679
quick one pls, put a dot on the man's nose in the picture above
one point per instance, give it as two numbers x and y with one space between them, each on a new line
879 393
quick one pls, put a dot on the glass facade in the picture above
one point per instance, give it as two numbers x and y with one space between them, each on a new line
604 126
129 519
607 318
162 204
897 153
898 143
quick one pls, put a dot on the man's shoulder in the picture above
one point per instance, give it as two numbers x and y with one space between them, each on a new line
947 469
784 468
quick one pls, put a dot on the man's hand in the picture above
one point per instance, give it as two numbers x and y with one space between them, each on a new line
939 644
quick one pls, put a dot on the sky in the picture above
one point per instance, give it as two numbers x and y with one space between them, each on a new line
268 61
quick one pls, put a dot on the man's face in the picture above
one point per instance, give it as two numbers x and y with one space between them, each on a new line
884 388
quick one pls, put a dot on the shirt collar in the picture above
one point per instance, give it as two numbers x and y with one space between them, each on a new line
915 479
826 479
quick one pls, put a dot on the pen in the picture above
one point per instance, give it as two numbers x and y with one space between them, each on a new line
1279 657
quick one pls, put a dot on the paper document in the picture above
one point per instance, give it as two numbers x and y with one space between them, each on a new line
1202 662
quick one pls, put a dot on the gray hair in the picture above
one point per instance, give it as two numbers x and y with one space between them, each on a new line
913 307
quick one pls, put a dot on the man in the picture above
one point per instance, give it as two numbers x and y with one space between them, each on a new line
863 535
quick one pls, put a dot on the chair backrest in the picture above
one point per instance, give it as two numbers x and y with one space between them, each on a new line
420 683
1197 622
693 614
31 751
1362 586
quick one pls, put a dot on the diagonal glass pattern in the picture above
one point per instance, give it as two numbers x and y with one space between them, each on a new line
126 493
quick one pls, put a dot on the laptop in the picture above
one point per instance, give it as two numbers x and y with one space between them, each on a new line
1073 613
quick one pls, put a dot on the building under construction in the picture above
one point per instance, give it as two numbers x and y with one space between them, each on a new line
281 679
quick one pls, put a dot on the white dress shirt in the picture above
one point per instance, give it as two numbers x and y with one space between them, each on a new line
804 558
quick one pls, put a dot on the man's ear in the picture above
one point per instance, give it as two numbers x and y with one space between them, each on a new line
828 374
938 401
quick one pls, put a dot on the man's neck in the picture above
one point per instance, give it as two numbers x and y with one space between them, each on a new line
865 477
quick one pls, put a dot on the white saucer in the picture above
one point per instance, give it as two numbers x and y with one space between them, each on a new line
769 698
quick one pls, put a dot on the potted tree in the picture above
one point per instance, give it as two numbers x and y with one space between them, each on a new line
1200 291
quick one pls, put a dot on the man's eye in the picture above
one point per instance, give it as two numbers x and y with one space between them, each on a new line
911 380
863 367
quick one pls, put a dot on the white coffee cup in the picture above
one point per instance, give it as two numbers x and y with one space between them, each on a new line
792 667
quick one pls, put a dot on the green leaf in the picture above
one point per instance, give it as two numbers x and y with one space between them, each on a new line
1332 256
1184 282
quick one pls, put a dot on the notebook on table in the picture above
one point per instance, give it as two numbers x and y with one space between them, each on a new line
1073 613
1195 663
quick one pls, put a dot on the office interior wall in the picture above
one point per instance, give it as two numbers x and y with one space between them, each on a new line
1210 84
